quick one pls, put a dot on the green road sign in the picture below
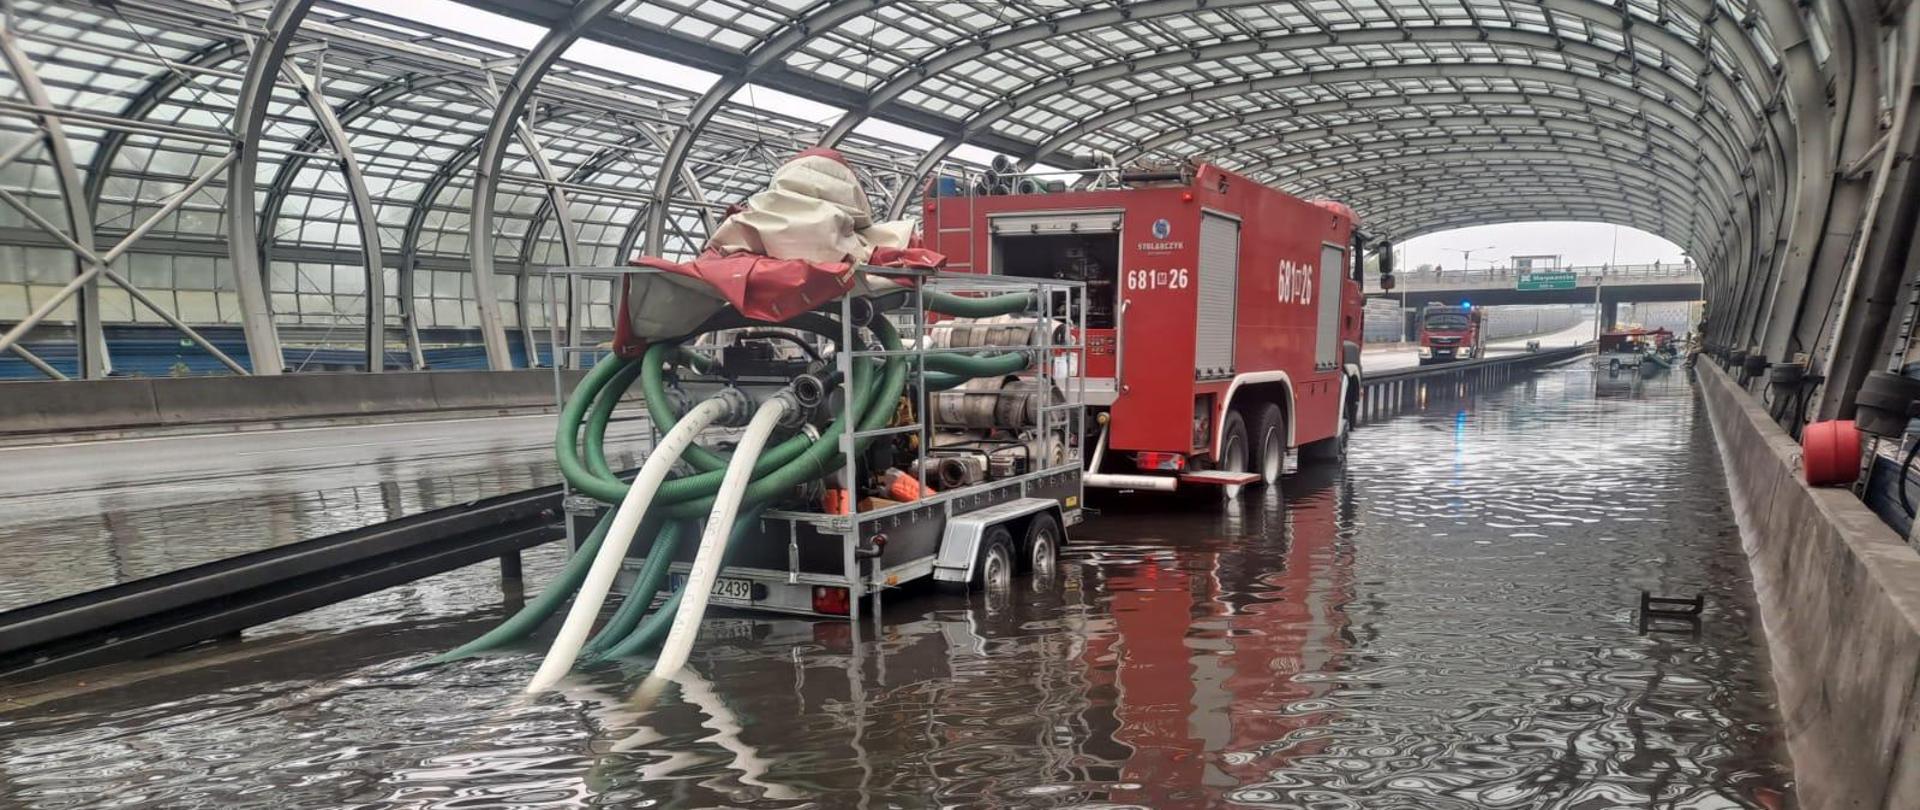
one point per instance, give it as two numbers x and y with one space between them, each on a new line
1550 280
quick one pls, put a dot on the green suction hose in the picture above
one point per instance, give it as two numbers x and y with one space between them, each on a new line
972 365
650 632
580 439
532 614
566 438
960 307
645 586
600 414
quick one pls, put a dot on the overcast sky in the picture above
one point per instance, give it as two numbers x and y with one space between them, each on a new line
1491 245
1579 243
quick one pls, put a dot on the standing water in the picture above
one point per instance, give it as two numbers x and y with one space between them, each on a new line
1450 623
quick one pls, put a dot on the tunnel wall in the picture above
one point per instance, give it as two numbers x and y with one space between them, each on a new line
1839 594
54 407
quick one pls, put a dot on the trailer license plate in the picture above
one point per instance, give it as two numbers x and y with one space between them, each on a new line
738 590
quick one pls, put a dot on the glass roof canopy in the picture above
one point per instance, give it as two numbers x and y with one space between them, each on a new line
1422 114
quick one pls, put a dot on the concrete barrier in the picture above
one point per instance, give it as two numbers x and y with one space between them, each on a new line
49 407
1839 595
483 389
53 406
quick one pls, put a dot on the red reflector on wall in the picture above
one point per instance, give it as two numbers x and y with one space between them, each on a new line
1154 460
828 599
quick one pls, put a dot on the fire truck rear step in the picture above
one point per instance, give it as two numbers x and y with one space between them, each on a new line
1218 477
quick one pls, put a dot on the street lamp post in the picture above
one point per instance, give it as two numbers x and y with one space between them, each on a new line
1466 255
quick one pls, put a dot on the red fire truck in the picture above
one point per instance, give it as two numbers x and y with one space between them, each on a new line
1224 317
1450 333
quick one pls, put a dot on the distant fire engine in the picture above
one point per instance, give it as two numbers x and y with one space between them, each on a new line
1451 333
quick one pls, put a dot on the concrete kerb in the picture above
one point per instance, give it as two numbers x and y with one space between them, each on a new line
1839 595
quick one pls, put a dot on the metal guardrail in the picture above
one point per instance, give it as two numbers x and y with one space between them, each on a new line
1390 392
222 598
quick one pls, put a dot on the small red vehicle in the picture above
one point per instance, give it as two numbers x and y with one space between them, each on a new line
1450 333
1223 316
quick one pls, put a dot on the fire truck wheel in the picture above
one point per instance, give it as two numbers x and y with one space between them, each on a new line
1270 438
993 571
1334 450
1235 454
1040 549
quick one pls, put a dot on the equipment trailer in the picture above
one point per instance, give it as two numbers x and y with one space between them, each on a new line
998 459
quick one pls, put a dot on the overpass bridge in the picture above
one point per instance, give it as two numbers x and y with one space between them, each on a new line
1500 286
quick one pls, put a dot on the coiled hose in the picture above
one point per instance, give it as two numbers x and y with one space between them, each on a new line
579 445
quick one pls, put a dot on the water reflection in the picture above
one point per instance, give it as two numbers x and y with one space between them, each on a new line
62 545
1450 624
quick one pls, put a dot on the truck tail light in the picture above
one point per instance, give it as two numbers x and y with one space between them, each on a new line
831 600
1154 460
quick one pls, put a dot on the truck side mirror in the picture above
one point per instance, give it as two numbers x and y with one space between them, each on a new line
1386 282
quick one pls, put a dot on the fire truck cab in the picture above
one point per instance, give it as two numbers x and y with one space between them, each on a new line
1449 333
1223 316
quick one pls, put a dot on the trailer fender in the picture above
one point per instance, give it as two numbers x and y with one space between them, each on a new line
960 543
1254 377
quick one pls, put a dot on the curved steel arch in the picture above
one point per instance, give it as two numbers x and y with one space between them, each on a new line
507 116
1560 142
1188 56
689 180
1683 127
955 54
1362 193
1404 71
1395 71
1398 97
367 101
1363 156
1386 128
1364 171
149 97
243 240
824 16
372 255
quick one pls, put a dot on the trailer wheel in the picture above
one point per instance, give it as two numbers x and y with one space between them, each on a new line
1040 550
1270 438
1235 454
993 570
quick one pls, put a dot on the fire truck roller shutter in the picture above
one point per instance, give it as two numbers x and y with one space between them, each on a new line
1333 262
1055 222
1218 277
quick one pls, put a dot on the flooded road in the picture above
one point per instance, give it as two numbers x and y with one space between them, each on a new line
88 515
1449 624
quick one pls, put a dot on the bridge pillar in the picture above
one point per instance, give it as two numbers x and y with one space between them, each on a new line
1609 314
